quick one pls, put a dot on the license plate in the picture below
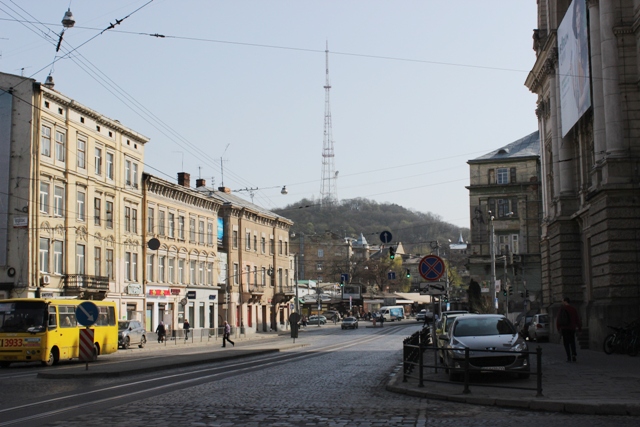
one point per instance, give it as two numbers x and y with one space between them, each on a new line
10 342
495 368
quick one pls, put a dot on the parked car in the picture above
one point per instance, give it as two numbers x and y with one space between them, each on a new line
443 327
349 323
522 324
424 313
314 320
332 315
482 332
539 327
131 332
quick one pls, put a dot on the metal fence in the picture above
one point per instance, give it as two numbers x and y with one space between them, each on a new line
420 343
180 336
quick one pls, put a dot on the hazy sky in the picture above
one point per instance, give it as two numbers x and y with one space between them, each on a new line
418 88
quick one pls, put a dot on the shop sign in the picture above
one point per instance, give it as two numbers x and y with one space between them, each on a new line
159 292
175 291
191 294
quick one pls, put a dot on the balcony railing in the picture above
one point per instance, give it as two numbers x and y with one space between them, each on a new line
256 289
83 281
287 290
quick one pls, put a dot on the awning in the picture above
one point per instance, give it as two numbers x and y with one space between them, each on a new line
415 297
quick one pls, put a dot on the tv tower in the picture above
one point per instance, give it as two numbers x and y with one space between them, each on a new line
328 187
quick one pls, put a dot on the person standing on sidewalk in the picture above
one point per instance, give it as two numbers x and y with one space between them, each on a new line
161 331
186 328
567 322
225 335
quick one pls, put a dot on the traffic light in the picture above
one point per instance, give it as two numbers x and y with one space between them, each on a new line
510 290
504 291
526 293
445 298
392 252
408 273
341 281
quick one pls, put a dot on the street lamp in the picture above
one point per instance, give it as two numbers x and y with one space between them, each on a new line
492 251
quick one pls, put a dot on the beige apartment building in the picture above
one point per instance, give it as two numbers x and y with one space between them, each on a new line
181 274
259 285
72 199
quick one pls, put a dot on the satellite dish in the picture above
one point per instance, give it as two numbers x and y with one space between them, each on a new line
153 244
183 302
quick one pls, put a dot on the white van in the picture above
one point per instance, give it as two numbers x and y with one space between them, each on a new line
392 312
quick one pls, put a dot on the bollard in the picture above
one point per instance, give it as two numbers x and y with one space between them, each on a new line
466 371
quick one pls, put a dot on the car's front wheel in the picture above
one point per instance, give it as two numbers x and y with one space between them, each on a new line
143 341
126 342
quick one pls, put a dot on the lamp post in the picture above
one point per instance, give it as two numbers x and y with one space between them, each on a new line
492 251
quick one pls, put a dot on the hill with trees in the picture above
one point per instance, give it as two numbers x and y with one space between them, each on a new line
349 218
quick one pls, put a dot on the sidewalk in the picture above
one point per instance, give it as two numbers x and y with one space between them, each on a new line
597 384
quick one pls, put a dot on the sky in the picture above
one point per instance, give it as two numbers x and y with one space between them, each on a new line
234 91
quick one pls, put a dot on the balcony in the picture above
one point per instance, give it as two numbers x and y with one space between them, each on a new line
256 289
286 290
87 287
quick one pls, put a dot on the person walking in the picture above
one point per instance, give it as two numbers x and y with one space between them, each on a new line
161 331
225 335
567 322
186 328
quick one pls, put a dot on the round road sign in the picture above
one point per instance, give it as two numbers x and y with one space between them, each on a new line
431 267
87 313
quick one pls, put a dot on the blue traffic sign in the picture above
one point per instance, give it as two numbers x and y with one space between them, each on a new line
391 275
431 267
385 237
344 278
87 313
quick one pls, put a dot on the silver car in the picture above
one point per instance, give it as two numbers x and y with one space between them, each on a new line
539 327
131 332
493 342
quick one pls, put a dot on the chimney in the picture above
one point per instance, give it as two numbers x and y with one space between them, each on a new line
184 179
225 190
200 182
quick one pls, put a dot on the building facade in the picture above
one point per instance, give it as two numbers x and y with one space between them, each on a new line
182 266
73 200
504 197
585 77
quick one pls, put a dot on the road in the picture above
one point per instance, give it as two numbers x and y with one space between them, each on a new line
337 379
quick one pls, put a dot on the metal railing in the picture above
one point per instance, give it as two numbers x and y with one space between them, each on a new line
419 343
180 336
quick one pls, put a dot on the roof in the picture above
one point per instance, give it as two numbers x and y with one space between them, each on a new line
238 202
528 146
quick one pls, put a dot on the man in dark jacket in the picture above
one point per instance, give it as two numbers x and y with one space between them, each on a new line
567 322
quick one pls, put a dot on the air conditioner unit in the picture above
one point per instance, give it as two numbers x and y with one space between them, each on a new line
45 280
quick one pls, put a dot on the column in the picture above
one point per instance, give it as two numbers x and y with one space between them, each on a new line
599 137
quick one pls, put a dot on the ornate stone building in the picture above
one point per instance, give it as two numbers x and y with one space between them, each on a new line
586 77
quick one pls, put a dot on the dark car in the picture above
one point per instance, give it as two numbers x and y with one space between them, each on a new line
349 323
420 317
131 332
494 346
314 320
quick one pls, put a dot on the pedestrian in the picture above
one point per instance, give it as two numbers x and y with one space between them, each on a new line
161 331
186 328
381 320
225 334
567 322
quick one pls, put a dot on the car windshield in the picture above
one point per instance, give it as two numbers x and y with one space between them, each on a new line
349 319
483 327
123 325
543 319
23 316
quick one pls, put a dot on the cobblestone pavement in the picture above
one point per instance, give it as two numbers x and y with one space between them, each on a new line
343 388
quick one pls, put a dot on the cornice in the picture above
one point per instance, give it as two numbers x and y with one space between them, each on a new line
545 65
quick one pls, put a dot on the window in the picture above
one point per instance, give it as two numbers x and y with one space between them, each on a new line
45 141
81 208
263 245
96 210
58 201
507 208
150 220
97 261
234 239
508 244
280 277
134 174
110 166
82 154
210 233
80 261
503 176
127 266
172 225
161 223
109 261
192 272
236 271
247 238
512 175
127 172
44 255
286 248
181 227
134 220
209 273
192 230
255 243
58 257
248 271
44 197
263 276
180 271
272 246
98 161
162 262
61 141
127 218
201 232
134 266
150 263
171 270
255 275
280 246
109 214
201 272
319 266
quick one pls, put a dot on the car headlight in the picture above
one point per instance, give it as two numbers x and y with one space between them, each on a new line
519 346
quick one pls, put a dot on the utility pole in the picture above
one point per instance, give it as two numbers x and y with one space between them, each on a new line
492 250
